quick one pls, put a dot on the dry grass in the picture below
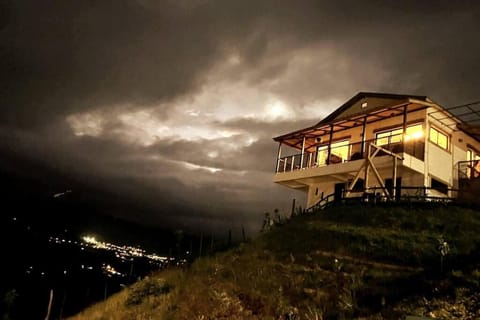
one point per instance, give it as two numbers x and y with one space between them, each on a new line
341 264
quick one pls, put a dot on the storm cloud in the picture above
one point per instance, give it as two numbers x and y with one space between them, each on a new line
171 105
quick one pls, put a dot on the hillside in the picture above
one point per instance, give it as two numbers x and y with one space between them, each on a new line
342 263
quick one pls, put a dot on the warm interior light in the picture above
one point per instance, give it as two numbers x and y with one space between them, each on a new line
414 132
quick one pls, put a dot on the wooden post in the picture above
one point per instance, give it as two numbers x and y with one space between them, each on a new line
404 127
367 168
303 151
293 163
293 207
330 144
362 151
49 307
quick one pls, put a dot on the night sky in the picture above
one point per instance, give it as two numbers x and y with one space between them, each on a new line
166 109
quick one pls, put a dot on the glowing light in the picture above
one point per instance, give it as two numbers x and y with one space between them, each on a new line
414 132
91 240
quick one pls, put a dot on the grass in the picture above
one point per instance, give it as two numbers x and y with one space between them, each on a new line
343 262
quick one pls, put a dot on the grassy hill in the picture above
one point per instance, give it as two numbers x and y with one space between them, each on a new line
345 262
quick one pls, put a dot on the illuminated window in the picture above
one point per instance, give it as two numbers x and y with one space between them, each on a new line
439 138
322 155
395 135
414 132
339 152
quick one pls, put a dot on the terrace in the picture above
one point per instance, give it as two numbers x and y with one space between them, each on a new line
343 152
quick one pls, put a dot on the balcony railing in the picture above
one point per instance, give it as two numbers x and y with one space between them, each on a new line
346 153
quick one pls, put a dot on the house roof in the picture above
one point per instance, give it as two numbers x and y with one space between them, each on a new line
368 107
365 107
337 114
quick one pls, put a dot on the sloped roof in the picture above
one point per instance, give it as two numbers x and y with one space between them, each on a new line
352 113
336 115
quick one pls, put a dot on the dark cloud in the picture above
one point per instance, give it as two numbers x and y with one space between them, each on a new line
203 74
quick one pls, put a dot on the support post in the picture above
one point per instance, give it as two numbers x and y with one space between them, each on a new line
367 168
404 127
279 154
329 144
303 151
362 151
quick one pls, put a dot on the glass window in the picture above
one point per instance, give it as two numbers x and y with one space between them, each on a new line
439 138
382 138
322 155
395 135
341 150
414 132
339 153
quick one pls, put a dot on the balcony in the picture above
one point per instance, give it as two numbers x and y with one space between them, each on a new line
348 152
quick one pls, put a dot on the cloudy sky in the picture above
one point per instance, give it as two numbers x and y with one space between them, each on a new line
170 106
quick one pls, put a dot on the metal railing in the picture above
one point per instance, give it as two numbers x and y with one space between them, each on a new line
354 151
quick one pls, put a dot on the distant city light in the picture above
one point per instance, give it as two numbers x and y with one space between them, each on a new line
88 239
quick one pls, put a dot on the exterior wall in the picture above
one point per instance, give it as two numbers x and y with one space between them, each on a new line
440 164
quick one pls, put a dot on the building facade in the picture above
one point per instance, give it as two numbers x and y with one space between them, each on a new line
388 145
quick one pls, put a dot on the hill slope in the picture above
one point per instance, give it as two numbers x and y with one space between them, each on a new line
345 262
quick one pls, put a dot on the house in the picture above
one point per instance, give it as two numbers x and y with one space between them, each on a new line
384 145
